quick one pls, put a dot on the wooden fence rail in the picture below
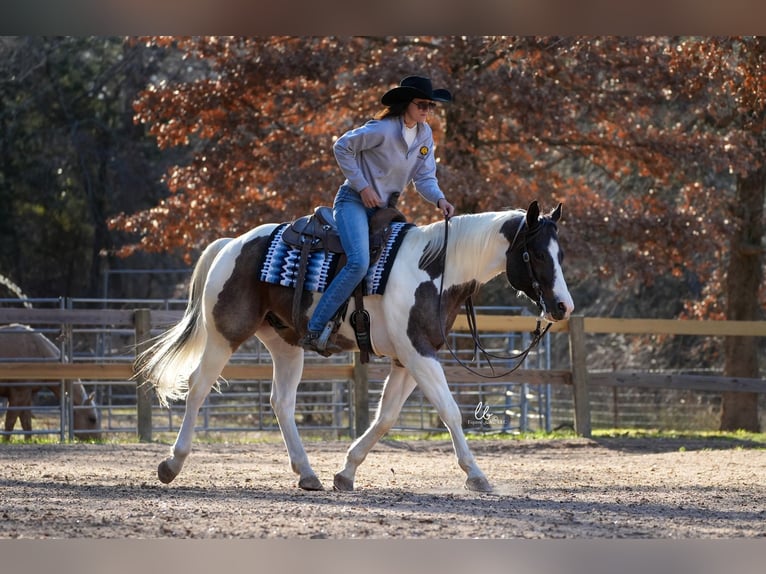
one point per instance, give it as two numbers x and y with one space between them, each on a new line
577 328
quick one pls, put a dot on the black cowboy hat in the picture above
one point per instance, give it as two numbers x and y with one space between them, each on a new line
413 87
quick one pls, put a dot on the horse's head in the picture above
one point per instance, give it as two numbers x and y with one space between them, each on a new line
533 262
86 414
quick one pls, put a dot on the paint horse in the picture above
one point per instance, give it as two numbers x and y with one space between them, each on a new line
19 341
428 282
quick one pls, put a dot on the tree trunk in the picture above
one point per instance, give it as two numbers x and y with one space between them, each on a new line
743 281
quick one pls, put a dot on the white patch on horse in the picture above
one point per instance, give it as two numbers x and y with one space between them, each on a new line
560 288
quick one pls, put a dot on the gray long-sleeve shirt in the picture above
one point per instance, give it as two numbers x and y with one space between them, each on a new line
376 154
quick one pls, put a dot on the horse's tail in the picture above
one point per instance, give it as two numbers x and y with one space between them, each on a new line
170 360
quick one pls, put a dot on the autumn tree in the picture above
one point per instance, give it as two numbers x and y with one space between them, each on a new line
654 145
676 128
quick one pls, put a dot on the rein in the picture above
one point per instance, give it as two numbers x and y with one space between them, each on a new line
470 312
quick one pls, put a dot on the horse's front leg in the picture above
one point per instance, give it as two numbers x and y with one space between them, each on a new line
213 360
10 421
430 377
398 386
288 369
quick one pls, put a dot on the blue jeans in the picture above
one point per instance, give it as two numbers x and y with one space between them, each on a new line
353 220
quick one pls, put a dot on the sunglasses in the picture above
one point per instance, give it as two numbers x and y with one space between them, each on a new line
425 106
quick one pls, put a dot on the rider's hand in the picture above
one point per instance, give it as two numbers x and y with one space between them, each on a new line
370 198
447 209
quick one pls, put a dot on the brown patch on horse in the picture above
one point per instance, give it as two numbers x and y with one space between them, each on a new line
240 306
424 332
245 302
509 230
279 314
430 263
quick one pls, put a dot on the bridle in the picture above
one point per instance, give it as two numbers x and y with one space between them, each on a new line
528 263
470 312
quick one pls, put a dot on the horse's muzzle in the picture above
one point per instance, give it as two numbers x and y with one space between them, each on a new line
559 312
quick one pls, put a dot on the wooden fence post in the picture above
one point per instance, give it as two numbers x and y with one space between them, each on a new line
579 375
142 322
361 397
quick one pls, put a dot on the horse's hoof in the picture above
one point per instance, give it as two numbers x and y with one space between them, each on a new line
165 473
478 484
310 483
342 484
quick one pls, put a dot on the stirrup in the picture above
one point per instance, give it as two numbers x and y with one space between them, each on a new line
319 341
324 336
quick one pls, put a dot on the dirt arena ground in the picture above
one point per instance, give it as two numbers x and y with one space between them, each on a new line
573 488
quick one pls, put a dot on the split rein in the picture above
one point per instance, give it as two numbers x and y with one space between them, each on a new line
470 312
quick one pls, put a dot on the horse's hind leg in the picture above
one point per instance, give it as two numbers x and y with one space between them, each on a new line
399 384
214 358
288 368
25 416
15 413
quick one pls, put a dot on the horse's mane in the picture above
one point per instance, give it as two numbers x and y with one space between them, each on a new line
469 237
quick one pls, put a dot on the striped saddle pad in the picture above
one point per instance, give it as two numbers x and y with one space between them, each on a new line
280 264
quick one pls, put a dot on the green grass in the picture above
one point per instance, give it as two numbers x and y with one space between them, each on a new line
743 438
737 436
36 439
515 436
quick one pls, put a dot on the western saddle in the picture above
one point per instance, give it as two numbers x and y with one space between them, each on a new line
318 231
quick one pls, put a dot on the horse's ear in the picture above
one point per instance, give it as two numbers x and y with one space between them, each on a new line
556 213
533 214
